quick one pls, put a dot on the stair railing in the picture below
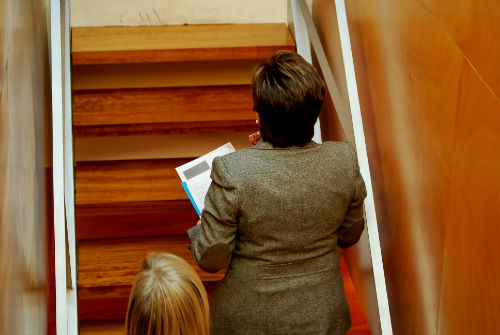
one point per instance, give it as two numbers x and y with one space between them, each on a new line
63 170
352 126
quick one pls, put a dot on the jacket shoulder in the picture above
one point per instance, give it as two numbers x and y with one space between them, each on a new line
339 148
234 163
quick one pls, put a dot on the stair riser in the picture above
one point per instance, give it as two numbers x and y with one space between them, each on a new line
130 220
177 55
162 105
105 308
247 126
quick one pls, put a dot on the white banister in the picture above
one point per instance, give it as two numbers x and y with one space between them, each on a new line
62 165
69 180
364 166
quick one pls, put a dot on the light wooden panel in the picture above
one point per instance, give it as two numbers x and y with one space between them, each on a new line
111 45
475 27
470 296
422 98
107 268
128 181
400 81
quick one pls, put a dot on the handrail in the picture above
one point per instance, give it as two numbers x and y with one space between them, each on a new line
352 126
62 165
69 178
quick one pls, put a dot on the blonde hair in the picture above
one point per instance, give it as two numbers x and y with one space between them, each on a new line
167 297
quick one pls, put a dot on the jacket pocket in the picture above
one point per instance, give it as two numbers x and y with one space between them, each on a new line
297 269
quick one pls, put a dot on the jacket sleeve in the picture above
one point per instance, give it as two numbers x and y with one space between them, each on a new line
354 219
213 240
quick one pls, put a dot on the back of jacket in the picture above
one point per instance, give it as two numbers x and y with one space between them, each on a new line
274 217
291 201
280 204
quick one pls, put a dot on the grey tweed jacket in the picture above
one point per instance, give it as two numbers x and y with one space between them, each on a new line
275 218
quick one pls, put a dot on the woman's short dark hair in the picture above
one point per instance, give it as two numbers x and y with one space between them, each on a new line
287 94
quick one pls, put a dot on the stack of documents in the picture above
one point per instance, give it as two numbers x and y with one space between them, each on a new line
195 176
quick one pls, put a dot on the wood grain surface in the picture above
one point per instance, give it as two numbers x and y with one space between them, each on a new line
113 320
108 45
157 218
470 288
427 75
196 127
115 263
474 26
103 327
99 308
128 181
173 74
162 105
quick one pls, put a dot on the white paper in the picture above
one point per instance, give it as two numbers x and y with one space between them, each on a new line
196 175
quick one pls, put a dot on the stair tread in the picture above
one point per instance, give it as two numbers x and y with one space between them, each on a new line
116 326
163 110
108 182
114 263
108 45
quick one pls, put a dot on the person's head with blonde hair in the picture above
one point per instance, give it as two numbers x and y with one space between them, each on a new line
167 297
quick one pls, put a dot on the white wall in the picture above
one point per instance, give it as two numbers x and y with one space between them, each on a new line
24 110
175 12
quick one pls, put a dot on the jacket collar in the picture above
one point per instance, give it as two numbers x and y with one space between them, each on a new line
263 145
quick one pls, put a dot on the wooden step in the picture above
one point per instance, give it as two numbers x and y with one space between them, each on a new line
175 74
167 110
121 148
107 268
147 44
137 198
157 218
102 327
99 308
116 325
137 181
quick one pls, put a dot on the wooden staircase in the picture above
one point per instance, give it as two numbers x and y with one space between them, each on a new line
130 81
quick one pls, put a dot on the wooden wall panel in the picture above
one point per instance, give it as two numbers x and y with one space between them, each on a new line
429 107
475 28
24 110
470 295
